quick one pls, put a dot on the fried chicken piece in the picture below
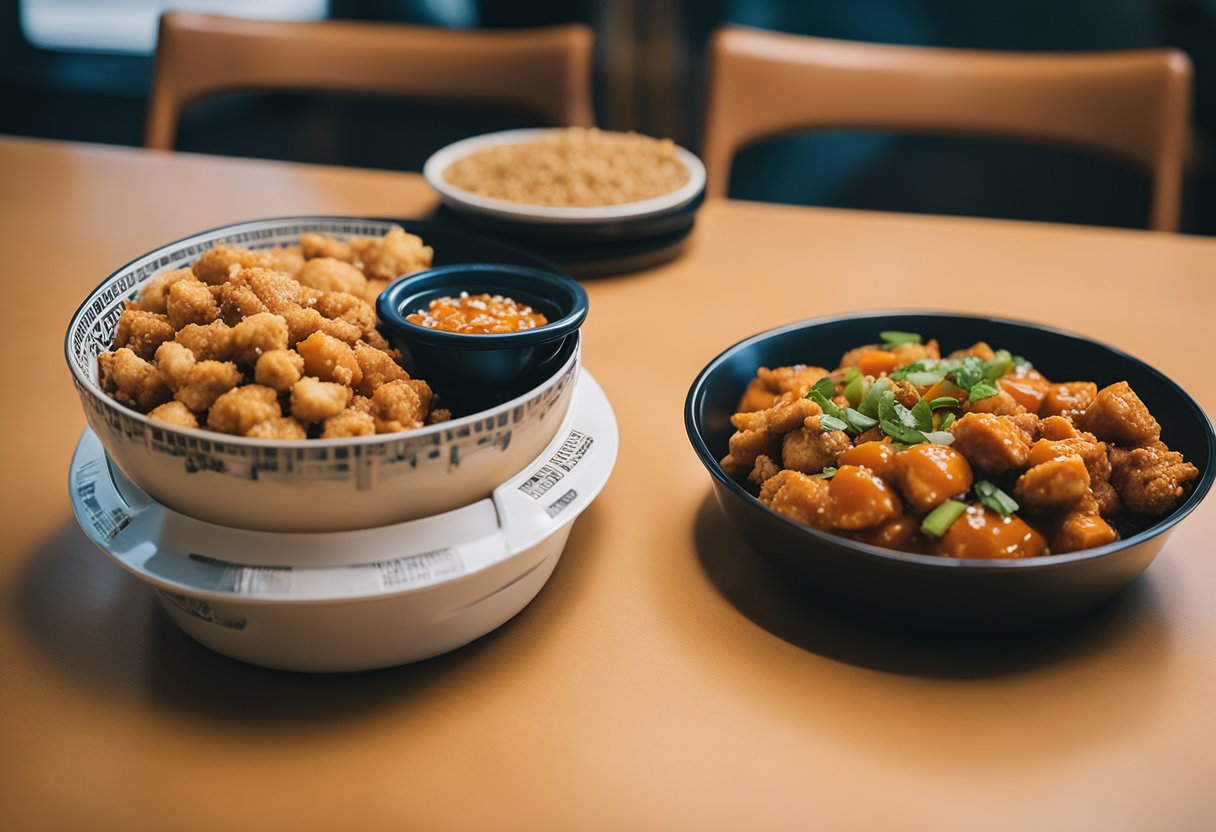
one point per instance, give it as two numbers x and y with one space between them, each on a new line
853 357
279 369
373 290
238 301
1094 454
1057 427
196 384
131 380
313 400
1027 423
318 245
907 353
346 307
397 406
1076 531
190 302
979 349
205 382
154 296
344 331
238 410
991 444
301 322
210 342
425 395
289 259
332 275
395 254
1068 399
811 448
760 432
1152 479
377 368
1002 404
218 264
1052 486
768 385
174 361
174 413
905 393
276 291
329 359
874 434
349 422
258 334
281 427
1118 415
142 331
801 498
764 469
439 415
363 404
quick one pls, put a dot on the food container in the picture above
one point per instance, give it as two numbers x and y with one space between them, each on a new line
914 591
313 485
355 600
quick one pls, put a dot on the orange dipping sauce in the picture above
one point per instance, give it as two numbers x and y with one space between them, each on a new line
482 314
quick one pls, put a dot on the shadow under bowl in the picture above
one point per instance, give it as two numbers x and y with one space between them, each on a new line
927 592
487 368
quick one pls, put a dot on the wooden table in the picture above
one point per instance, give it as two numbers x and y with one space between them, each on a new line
664 679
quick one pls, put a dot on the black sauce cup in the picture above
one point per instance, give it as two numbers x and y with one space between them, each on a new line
473 372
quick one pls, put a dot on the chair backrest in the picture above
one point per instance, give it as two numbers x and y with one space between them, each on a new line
1134 105
546 72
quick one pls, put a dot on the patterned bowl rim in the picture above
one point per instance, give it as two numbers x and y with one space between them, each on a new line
88 385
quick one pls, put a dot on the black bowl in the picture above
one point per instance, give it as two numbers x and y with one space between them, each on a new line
925 591
484 369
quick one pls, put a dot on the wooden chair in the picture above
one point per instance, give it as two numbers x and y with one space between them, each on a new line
1132 105
545 72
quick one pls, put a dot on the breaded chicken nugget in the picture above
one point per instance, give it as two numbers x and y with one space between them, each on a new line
332 275
394 254
279 369
377 369
318 245
142 331
131 380
348 423
396 406
313 400
258 334
215 266
329 359
238 410
174 413
190 302
211 342
154 296
284 427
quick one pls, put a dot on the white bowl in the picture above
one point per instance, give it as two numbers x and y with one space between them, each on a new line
306 485
381 596
466 202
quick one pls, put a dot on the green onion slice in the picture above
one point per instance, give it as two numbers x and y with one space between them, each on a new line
826 474
893 338
828 422
897 421
947 421
923 414
938 521
855 388
943 401
995 499
869 405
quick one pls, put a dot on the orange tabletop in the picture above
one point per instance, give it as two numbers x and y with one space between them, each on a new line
664 678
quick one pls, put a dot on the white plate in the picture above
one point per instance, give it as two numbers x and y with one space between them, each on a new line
463 201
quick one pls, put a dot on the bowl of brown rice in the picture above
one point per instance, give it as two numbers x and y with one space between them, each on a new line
564 176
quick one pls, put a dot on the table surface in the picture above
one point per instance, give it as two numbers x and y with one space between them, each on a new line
664 678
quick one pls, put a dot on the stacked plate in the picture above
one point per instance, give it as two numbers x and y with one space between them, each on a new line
584 240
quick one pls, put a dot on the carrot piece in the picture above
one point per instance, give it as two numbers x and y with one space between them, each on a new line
945 387
877 363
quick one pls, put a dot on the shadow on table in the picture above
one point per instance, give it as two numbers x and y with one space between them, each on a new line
106 631
770 600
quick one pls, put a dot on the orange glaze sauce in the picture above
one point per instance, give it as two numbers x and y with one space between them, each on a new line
482 314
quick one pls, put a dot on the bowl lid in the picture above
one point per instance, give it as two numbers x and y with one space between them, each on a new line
192 559
461 200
